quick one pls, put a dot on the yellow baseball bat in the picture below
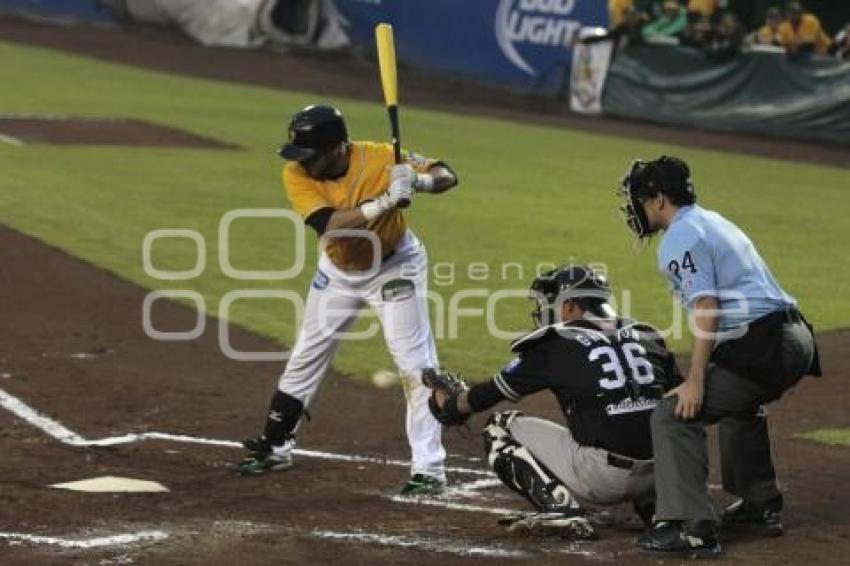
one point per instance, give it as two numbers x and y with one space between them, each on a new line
389 83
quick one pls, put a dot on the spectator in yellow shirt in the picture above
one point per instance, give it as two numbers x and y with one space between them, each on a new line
702 8
617 11
768 34
802 32
629 31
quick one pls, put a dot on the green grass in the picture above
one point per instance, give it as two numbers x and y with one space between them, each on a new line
830 436
528 194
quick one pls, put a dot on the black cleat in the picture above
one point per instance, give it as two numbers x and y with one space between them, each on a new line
421 485
672 538
261 458
258 464
258 444
742 517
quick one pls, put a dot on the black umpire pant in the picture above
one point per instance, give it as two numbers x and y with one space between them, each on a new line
734 400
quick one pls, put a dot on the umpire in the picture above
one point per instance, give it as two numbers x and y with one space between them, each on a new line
750 344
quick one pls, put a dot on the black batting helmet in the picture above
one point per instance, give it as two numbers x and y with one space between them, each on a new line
313 131
574 282
645 179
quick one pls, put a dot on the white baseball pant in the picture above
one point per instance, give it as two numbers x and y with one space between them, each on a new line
398 294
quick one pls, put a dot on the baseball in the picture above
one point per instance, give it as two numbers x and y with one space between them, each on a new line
384 378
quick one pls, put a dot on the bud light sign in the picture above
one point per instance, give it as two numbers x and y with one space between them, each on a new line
519 43
546 23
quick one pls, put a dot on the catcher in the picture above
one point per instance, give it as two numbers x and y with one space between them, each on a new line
607 374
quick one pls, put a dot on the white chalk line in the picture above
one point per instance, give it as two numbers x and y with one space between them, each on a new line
115 540
574 549
46 424
444 546
471 488
10 140
63 434
436 502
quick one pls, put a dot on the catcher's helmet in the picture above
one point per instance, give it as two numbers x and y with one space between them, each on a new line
645 179
574 282
312 131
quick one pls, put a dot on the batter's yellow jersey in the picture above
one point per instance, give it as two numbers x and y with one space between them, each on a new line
368 177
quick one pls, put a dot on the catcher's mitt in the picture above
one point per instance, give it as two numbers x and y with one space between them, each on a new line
452 386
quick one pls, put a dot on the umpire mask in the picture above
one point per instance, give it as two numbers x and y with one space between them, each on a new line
646 179
633 189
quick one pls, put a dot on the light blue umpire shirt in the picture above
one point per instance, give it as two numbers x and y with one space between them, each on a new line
704 255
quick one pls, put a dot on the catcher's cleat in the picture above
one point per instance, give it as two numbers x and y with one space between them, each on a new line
510 519
564 525
260 463
673 538
742 517
423 485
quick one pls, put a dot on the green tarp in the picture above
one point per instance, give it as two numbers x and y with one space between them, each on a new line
761 93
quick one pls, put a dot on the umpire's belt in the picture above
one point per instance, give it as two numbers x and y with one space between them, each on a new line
789 314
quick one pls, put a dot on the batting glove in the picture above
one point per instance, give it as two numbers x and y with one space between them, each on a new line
398 190
421 182
402 172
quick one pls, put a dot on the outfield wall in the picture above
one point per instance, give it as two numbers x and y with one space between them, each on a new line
763 93
527 46
70 10
522 44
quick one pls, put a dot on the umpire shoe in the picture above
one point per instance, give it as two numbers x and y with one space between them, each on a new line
421 485
674 538
742 517
573 526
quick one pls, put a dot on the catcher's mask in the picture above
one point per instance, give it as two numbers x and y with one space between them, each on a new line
313 131
646 179
580 283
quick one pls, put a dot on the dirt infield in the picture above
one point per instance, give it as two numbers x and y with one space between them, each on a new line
71 130
356 77
76 353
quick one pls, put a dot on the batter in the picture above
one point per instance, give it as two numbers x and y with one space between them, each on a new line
339 185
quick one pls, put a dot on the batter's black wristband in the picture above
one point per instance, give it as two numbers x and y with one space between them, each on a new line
319 219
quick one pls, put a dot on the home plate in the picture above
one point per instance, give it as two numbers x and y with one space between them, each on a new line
112 484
